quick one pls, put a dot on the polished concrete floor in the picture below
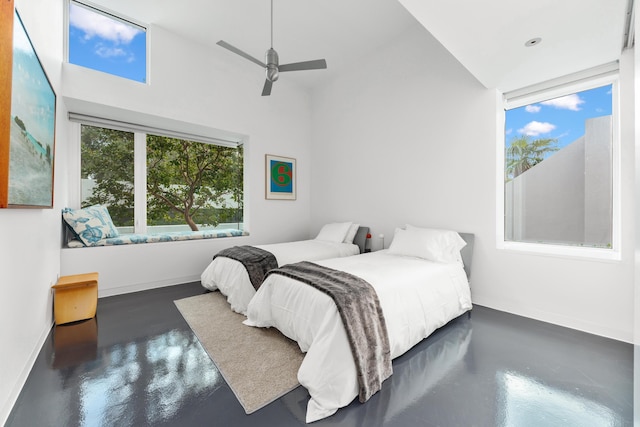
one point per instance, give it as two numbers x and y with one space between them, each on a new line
139 364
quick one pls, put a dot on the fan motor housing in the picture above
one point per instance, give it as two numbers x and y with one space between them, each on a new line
271 58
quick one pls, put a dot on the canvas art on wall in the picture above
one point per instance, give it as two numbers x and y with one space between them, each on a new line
31 128
280 177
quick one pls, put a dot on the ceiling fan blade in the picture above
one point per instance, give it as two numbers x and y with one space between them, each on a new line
306 65
241 53
266 90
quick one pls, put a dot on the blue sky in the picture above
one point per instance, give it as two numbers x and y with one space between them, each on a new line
560 118
102 43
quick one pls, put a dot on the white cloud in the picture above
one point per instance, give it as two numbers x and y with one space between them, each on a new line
508 131
570 102
532 108
109 52
94 24
537 128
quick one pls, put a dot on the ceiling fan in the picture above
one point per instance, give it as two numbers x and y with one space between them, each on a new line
272 67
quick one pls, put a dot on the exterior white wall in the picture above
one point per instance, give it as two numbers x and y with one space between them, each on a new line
598 183
207 87
554 188
30 243
567 198
412 139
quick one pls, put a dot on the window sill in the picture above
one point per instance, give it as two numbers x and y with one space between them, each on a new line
579 252
130 239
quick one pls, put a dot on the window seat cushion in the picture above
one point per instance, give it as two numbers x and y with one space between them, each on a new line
128 239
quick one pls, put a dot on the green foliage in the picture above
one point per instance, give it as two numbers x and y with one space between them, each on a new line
187 182
524 153
189 179
107 158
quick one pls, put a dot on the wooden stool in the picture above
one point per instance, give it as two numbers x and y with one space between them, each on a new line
75 298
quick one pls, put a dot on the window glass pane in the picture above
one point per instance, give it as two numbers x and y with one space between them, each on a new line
107 173
193 186
558 167
105 43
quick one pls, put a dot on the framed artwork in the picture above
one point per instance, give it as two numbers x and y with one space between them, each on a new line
280 177
28 152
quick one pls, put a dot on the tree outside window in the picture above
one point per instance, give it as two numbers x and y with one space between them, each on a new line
190 184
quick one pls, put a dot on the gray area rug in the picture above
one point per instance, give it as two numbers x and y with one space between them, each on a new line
260 365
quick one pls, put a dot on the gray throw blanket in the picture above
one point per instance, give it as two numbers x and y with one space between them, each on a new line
257 261
361 315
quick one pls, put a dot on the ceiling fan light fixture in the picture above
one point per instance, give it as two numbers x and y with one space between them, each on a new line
271 58
272 73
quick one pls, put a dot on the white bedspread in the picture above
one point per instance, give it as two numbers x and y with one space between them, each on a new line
232 279
416 296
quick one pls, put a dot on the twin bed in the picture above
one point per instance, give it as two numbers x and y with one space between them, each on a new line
231 277
420 283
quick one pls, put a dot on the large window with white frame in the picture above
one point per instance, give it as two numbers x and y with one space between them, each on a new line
152 182
560 170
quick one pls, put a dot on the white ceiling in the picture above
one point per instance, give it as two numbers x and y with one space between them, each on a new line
487 37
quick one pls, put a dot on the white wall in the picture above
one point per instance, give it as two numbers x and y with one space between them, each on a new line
636 51
412 139
204 86
636 383
30 243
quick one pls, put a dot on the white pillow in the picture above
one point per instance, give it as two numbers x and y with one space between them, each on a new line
443 245
351 234
405 243
432 244
334 232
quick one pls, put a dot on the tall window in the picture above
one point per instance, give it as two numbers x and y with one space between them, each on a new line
559 169
187 185
105 42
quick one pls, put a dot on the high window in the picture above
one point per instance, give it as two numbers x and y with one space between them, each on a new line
560 168
105 42
152 182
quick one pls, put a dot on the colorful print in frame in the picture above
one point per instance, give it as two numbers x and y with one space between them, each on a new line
32 127
280 178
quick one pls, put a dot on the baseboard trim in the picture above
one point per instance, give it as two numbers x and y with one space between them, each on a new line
556 319
145 286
